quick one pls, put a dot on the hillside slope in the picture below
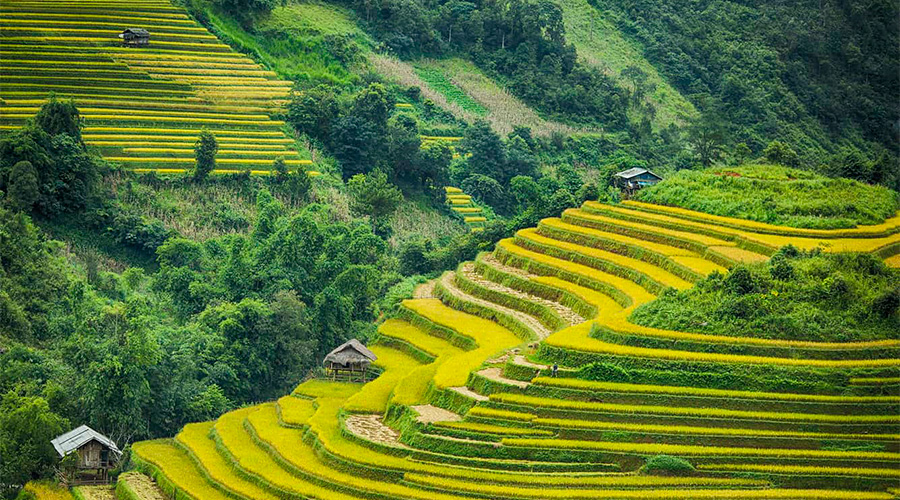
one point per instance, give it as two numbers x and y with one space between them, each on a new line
600 44
458 411
143 107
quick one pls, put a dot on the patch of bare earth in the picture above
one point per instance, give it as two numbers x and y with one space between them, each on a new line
425 290
496 374
469 393
97 492
431 413
371 428
142 486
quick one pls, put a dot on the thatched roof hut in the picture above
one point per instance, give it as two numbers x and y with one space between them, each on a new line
349 358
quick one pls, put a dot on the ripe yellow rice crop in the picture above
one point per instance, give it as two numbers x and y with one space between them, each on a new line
295 411
689 450
466 210
47 491
250 457
195 437
579 491
88 130
621 324
702 239
481 411
490 336
474 219
866 240
654 272
374 396
889 225
493 429
406 332
643 429
802 469
288 444
720 413
439 138
875 380
704 392
403 105
636 293
177 467
187 139
223 161
459 201
237 152
451 190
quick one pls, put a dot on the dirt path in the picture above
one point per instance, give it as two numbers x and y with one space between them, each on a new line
142 486
532 323
430 413
97 492
425 290
522 361
371 428
567 314
496 374
469 393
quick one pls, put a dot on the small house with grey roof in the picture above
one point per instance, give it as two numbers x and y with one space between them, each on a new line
96 452
634 179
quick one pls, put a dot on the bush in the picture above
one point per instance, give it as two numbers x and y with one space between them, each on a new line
665 465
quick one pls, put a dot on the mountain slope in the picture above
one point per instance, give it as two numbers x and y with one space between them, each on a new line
143 107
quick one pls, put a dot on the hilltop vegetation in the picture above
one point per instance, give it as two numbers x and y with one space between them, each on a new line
820 76
776 195
795 296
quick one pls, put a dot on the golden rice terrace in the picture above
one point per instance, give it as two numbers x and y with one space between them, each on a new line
466 407
143 107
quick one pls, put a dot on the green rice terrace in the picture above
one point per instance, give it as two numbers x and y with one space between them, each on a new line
143 107
466 404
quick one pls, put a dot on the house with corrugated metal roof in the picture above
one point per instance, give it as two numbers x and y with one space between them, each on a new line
96 453
635 178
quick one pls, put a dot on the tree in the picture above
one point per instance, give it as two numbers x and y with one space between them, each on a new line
313 112
26 427
488 153
279 167
22 186
742 152
59 117
485 189
205 150
371 194
707 136
781 154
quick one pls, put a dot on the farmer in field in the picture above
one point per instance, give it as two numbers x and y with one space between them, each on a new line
555 369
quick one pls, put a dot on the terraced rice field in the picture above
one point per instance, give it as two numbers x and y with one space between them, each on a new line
463 205
143 107
466 407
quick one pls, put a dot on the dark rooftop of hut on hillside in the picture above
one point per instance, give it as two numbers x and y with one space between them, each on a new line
352 351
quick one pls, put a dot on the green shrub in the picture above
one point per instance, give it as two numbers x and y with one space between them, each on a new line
665 465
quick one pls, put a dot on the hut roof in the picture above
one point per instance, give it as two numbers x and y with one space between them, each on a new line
634 172
78 437
137 31
351 351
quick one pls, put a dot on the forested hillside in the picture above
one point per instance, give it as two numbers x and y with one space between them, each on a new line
820 76
188 227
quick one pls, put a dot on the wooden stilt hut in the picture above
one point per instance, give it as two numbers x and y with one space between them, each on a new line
349 361
97 454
